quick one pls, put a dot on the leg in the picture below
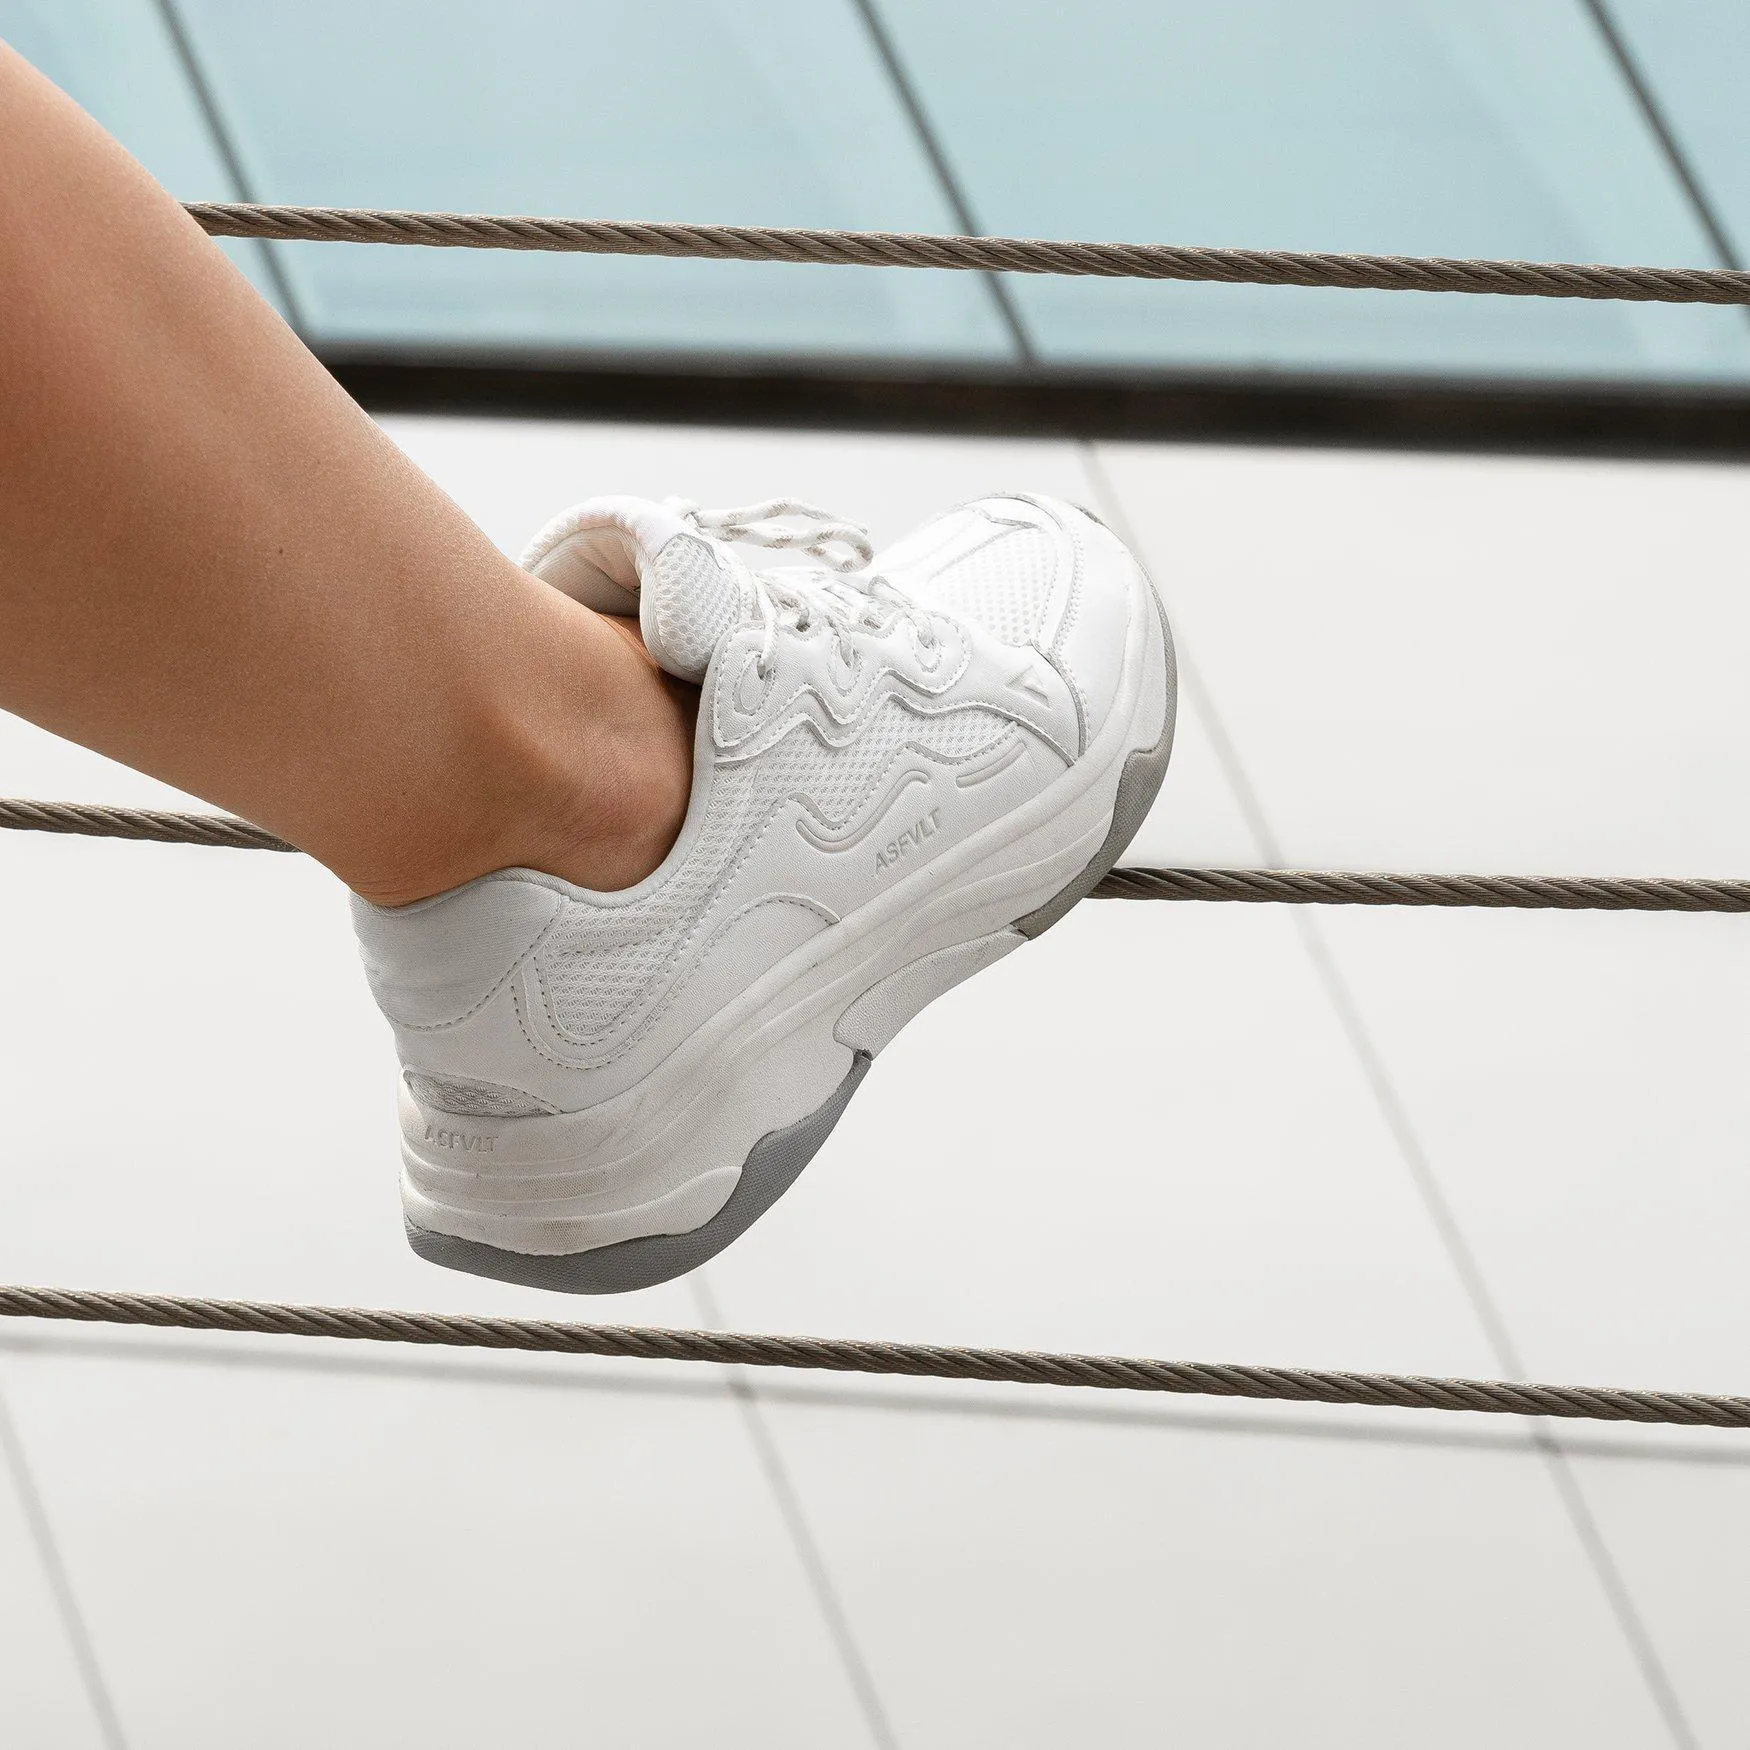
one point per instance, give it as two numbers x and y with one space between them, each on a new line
214 567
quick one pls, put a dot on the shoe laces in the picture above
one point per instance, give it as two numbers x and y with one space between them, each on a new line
843 593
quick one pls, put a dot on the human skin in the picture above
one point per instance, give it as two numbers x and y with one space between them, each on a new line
215 568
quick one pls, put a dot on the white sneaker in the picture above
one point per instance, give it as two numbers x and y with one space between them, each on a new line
899 776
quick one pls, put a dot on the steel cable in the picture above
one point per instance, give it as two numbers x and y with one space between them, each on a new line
97 821
1497 892
1238 886
1145 261
843 1355
913 1360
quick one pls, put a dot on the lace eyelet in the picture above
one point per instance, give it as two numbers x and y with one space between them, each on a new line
845 666
754 687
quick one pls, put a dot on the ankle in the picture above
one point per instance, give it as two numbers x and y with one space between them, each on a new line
614 793
583 772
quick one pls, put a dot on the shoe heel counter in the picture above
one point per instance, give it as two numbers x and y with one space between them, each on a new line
433 963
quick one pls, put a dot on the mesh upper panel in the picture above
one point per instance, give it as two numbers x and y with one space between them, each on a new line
596 964
1003 585
693 601
472 1099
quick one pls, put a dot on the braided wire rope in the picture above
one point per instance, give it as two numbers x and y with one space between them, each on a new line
1144 261
97 820
854 1355
1238 886
1014 255
935 1361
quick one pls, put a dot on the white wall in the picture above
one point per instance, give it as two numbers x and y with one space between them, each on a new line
1440 1142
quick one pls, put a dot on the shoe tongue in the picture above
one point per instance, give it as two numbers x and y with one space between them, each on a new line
694 596
629 556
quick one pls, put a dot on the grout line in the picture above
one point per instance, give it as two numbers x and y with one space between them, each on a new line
802 1540
1337 991
1414 1155
48 1553
1407 1140
207 101
1617 1595
887 52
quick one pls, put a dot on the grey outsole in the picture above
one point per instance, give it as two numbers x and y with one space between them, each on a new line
769 1171
778 1157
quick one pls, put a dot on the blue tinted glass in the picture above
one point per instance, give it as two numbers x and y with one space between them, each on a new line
667 109
1449 127
1496 127
1695 57
116 59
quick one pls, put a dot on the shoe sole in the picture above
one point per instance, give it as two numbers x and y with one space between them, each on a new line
778 1158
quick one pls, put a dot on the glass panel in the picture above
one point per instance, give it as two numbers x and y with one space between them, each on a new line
1447 127
1494 127
668 109
1696 58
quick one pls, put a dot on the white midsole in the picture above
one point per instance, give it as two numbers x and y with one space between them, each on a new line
665 1155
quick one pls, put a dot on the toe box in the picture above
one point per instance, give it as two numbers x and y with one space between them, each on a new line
1036 572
